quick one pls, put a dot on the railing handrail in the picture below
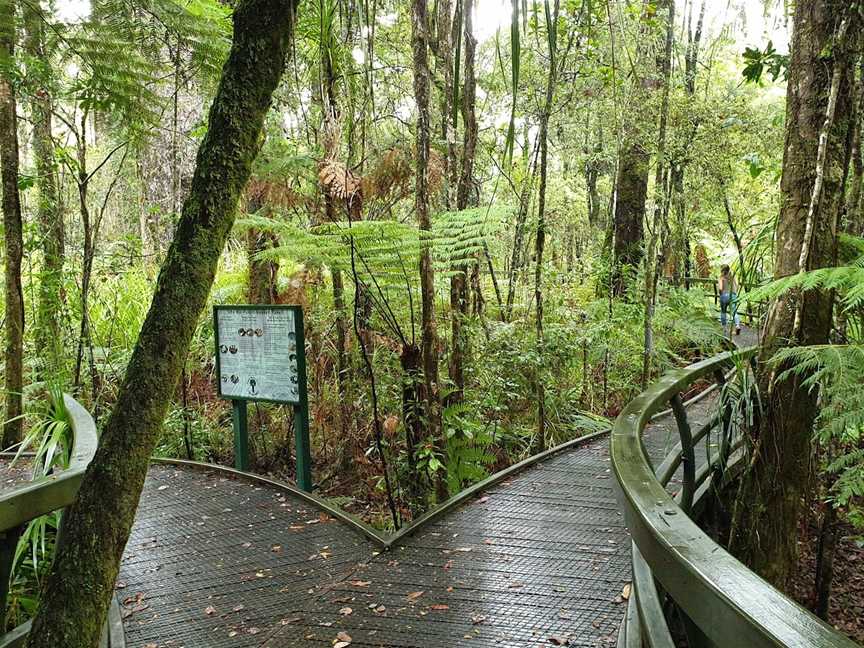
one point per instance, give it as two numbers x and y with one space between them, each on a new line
29 501
26 502
729 603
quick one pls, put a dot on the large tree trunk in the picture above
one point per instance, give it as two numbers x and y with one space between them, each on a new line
817 124
420 44
13 230
632 190
97 525
633 168
49 329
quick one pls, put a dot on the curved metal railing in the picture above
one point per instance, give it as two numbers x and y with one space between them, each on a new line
21 504
676 565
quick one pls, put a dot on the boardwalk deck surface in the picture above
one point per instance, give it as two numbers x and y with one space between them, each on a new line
14 473
218 561
540 559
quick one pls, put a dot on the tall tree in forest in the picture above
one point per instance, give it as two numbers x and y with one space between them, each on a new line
420 46
631 185
13 230
49 329
327 45
818 113
681 237
464 192
540 239
855 197
97 525
653 267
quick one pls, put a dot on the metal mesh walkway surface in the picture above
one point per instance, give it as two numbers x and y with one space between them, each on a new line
541 559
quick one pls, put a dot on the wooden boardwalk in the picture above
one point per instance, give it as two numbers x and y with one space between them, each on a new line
540 559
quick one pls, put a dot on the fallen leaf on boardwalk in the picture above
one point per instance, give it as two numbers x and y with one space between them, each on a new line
343 639
625 593
558 640
246 545
133 604
290 621
163 487
237 608
463 549
209 610
253 630
380 609
439 606
345 611
515 585
233 633
359 583
483 499
478 619
312 521
413 596
276 548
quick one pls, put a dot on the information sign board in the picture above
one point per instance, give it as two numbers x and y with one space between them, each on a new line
260 356
257 353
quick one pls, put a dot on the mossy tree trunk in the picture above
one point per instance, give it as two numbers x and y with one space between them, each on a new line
13 230
818 116
97 525
855 198
49 329
420 46
631 184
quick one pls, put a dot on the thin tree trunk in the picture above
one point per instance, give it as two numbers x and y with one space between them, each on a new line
420 45
540 239
444 59
49 329
652 265
818 106
691 60
825 553
97 525
855 201
13 237
739 245
459 281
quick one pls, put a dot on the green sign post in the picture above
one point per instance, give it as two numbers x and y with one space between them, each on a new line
260 356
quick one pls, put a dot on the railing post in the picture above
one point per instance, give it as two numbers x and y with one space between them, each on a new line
688 454
8 544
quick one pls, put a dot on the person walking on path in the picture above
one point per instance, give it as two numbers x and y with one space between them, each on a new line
728 289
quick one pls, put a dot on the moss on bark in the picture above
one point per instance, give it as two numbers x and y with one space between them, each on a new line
13 237
769 502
